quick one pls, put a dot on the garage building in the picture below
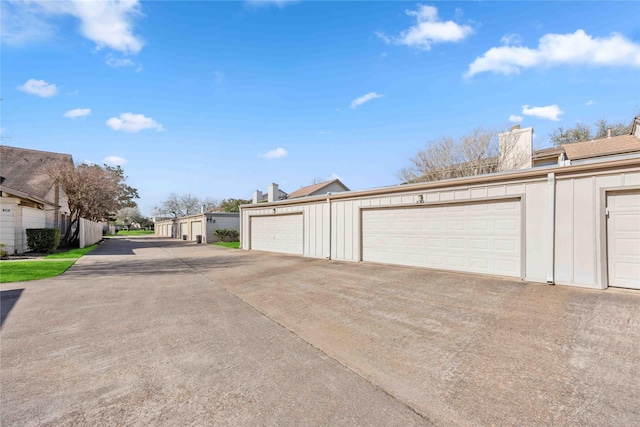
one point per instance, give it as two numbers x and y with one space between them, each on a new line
575 225
203 224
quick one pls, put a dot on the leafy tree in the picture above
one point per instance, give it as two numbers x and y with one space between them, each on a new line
618 128
583 132
93 192
232 205
580 132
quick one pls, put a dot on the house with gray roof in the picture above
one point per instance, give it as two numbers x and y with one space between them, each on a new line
29 197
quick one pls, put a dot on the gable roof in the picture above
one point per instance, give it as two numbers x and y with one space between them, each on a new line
25 171
602 147
310 189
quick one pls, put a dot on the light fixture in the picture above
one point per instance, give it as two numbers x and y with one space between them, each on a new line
420 198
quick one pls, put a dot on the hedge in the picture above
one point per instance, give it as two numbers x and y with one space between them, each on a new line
227 234
43 240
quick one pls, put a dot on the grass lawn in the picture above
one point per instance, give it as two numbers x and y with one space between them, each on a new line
73 253
234 245
134 232
21 271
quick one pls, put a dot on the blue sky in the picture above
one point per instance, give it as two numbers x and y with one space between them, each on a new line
218 99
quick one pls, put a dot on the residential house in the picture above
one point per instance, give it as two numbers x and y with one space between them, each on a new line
575 153
327 187
29 197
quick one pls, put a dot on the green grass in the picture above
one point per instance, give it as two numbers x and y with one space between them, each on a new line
134 232
21 271
234 245
72 254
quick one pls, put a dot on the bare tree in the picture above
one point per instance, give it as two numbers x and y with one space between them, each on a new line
93 192
479 152
210 204
176 205
171 206
191 204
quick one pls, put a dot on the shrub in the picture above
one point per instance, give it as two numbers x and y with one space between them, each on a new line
227 234
43 240
3 253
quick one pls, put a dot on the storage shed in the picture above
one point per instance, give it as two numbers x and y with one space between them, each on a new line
571 225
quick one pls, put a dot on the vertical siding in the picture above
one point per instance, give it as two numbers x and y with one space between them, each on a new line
584 244
30 218
536 220
333 228
7 226
565 229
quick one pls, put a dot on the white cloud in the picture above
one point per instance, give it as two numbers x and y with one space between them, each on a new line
590 103
39 88
23 23
515 119
114 161
276 153
107 23
115 62
332 177
78 112
511 39
428 30
364 98
578 48
129 122
550 112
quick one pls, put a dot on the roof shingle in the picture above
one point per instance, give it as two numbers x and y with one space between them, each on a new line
25 170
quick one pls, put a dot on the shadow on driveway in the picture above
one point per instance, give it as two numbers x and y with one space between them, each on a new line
7 300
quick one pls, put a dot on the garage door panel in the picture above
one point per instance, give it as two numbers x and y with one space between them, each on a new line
473 237
279 233
623 239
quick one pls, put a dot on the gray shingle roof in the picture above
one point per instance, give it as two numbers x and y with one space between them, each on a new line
25 170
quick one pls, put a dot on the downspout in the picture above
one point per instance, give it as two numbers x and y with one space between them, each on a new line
240 226
329 203
551 227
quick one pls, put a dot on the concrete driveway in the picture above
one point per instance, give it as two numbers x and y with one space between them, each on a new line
151 331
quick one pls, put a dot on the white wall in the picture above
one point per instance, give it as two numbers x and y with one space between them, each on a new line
7 226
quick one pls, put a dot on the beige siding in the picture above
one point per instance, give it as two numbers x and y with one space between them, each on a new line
536 223
563 223
7 224
30 218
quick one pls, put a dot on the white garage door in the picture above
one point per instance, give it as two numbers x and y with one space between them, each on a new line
183 230
623 239
280 233
196 229
474 237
